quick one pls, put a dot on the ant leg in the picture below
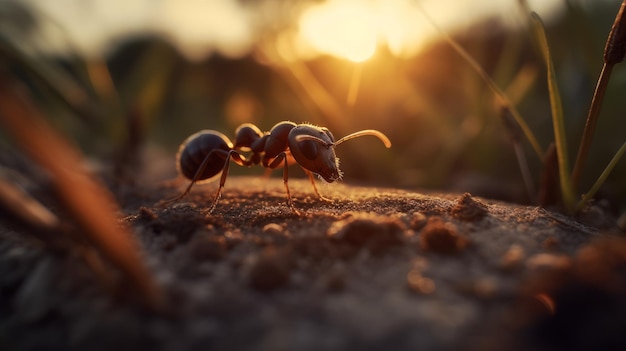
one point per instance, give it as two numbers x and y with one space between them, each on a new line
312 179
197 175
289 159
282 158
240 160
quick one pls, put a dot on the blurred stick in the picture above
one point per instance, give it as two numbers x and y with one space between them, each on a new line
84 199
25 208
614 53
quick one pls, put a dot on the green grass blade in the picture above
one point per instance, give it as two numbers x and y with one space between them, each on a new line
605 174
504 100
557 114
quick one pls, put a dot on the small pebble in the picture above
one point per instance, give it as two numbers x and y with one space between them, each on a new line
273 228
418 221
543 261
482 288
147 214
374 232
485 288
550 243
420 284
468 209
513 258
441 237
233 237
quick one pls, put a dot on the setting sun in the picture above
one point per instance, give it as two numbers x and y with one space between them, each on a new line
343 29
353 30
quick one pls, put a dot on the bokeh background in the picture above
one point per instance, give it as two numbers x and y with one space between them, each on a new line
111 73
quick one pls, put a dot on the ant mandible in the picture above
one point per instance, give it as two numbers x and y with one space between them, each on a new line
206 153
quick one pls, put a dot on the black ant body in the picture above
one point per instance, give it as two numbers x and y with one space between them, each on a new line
206 153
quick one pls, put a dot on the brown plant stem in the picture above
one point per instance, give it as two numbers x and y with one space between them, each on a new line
590 125
614 53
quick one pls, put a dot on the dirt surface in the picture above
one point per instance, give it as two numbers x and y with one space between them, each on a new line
375 269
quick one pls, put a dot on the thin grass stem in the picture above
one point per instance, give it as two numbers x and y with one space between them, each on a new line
558 121
602 178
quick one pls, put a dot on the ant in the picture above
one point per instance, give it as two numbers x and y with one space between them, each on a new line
206 153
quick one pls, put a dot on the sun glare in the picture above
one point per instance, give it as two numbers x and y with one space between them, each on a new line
353 29
340 28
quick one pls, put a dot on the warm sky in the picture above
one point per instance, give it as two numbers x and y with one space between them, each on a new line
351 29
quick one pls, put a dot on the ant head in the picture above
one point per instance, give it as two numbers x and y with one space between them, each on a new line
314 149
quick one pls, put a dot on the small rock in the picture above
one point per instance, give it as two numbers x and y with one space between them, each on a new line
147 214
550 243
545 261
469 209
274 233
368 230
233 237
418 221
513 258
273 228
419 284
485 288
441 237
482 288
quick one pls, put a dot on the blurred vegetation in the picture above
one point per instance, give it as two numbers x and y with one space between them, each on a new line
446 130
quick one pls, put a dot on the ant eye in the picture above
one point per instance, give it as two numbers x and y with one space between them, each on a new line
330 135
309 149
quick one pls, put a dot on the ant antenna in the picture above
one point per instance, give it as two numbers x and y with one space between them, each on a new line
382 137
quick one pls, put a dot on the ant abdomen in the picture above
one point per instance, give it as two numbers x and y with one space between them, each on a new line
196 148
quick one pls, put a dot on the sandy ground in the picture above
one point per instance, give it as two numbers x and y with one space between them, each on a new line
375 269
